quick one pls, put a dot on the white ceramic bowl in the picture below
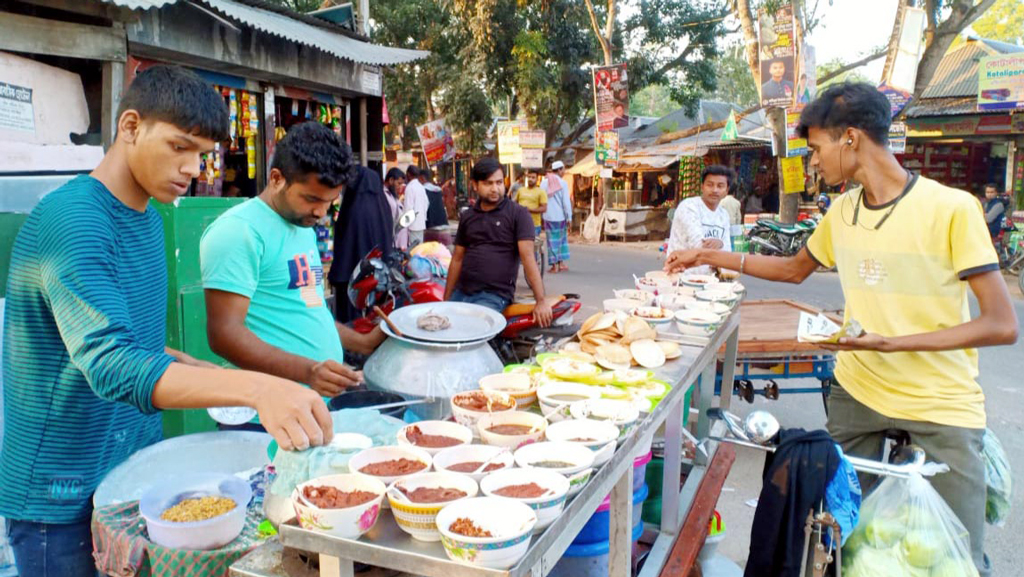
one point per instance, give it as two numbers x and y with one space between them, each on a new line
555 398
654 315
676 290
538 423
651 285
624 305
645 297
717 308
348 523
674 302
198 535
390 453
473 454
580 458
697 281
419 519
725 297
443 428
510 521
548 506
697 323
621 413
728 286
603 436
519 385
469 417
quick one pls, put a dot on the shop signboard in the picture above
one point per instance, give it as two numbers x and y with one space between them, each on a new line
532 143
795 146
606 150
1001 82
437 141
16 112
898 137
976 125
611 97
509 150
777 55
792 174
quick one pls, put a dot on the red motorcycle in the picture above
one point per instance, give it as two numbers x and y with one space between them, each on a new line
389 282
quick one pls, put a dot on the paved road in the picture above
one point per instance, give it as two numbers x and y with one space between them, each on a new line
596 270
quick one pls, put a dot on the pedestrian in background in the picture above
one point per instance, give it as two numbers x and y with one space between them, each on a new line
416 200
557 217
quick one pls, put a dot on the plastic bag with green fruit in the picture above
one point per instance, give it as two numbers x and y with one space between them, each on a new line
907 530
997 478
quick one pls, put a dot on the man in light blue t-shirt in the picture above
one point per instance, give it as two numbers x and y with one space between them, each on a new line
262 274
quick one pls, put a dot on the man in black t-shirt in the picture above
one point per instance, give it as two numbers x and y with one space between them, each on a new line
493 236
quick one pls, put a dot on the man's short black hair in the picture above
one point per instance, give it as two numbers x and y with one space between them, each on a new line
309 149
991 185
484 168
849 105
395 173
180 97
719 170
412 172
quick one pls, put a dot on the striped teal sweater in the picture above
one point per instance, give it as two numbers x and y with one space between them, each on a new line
84 334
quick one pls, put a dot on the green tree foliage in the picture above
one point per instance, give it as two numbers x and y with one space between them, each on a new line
1003 21
654 101
832 65
735 84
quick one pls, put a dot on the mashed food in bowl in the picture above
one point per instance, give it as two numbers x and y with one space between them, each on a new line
467 527
432 494
417 437
477 401
393 467
334 498
200 509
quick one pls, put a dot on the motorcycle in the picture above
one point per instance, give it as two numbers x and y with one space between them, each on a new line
388 281
777 239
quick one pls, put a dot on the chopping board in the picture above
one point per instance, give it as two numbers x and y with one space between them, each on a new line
770 326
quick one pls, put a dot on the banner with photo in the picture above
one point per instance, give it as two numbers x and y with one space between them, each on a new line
795 146
437 141
777 56
611 97
807 82
898 137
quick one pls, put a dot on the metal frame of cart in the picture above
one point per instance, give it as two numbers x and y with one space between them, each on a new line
385 546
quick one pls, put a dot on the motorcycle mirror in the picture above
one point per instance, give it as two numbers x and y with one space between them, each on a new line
406 218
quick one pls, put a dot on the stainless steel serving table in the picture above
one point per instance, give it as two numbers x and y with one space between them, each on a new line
388 547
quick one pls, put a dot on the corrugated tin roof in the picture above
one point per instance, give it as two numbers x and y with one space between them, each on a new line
295 30
950 106
957 74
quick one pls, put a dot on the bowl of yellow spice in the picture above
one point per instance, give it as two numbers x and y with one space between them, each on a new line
199 511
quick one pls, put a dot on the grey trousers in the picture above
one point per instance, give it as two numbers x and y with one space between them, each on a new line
860 431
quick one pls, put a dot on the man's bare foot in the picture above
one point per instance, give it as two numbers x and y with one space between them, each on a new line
563 268
554 269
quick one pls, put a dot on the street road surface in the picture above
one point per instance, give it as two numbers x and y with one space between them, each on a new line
596 270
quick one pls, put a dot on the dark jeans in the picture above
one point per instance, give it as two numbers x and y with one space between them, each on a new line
52 550
492 301
861 431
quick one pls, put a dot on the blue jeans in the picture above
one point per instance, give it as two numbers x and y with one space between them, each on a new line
52 549
492 301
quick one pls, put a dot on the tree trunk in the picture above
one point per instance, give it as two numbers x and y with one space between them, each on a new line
749 26
940 36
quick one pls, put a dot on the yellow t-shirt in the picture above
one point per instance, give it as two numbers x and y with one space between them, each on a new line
905 278
532 198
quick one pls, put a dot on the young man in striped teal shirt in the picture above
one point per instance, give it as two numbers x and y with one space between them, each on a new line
85 369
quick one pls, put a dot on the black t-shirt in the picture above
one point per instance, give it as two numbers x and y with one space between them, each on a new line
491 241
436 213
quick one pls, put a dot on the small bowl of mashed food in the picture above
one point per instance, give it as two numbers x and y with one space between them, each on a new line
434 436
544 491
415 501
344 506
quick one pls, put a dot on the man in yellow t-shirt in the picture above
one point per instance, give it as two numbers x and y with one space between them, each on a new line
533 198
906 249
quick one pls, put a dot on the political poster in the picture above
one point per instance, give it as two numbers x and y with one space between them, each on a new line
611 97
807 82
606 149
509 150
898 137
777 56
437 141
792 174
795 146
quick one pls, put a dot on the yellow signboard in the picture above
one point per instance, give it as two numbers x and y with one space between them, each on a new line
792 174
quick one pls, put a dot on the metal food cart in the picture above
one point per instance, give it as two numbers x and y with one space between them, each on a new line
388 547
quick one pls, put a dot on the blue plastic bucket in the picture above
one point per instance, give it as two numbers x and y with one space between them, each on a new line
588 559
597 527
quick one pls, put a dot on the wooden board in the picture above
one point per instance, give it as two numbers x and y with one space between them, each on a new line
770 326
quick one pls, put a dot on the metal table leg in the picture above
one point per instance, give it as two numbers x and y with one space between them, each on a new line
672 470
729 368
620 531
335 567
707 394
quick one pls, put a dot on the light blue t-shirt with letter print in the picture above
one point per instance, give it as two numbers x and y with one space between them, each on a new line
254 252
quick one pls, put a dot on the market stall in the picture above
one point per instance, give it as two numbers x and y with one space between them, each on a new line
686 366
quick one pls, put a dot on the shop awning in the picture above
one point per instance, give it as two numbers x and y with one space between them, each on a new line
585 167
644 162
295 30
